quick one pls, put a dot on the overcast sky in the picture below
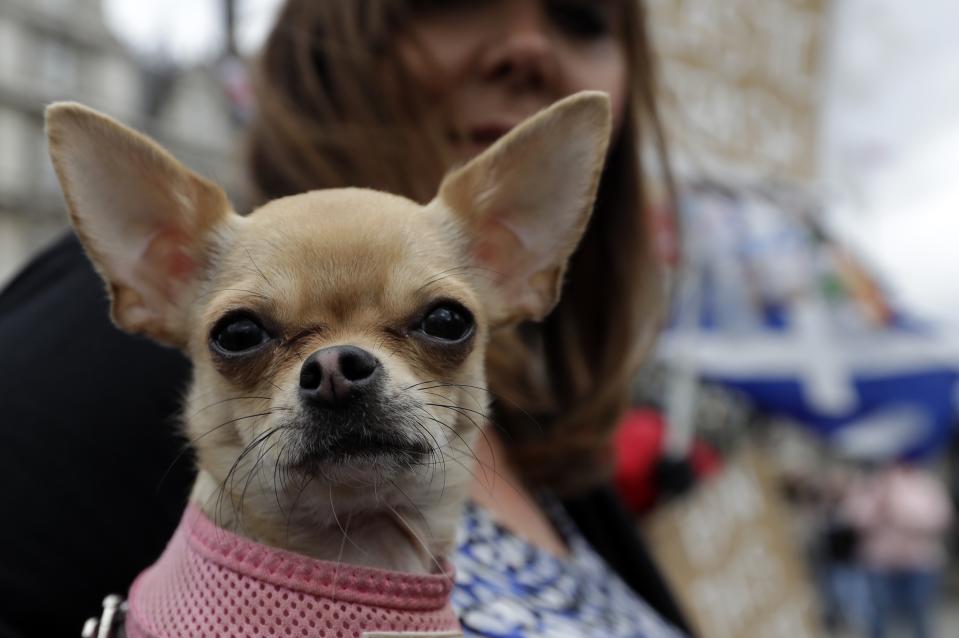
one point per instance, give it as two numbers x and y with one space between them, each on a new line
186 31
891 152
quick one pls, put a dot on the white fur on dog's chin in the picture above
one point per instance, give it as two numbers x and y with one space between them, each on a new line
355 526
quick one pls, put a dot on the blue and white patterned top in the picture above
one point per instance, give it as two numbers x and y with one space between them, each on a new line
508 588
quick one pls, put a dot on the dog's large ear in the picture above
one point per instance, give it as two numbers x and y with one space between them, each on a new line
525 202
145 220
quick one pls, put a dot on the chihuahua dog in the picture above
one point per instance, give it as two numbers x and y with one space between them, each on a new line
337 339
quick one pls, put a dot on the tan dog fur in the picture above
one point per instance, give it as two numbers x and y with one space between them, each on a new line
346 266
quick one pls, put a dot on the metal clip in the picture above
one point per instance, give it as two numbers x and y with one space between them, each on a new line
110 623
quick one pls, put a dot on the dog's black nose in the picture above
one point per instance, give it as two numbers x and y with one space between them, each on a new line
332 376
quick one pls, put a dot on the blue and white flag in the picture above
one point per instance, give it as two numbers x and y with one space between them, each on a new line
768 305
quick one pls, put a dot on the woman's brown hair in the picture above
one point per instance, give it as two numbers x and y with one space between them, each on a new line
336 109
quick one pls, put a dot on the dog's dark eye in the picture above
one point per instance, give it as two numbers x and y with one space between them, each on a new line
238 334
449 322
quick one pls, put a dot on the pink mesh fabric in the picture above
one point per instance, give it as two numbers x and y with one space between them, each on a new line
212 583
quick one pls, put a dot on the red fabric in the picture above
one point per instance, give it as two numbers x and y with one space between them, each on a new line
212 583
639 444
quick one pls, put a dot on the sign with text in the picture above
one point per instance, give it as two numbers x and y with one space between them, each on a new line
741 83
729 557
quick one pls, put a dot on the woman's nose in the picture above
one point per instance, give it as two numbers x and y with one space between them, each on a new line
520 54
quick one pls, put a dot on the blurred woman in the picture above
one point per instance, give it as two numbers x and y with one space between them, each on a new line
385 94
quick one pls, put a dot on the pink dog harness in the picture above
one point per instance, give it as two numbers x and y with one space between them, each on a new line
212 583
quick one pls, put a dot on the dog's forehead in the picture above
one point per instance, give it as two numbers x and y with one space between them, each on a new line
333 226
319 212
350 243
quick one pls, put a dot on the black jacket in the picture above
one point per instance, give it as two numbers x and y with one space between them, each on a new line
93 475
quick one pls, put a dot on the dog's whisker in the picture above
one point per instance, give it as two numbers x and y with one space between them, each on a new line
517 489
222 401
437 394
196 439
481 404
252 261
189 446
467 468
234 468
277 477
436 458
497 397
344 531
415 507
296 500
339 556
443 274
459 408
455 432
249 292
489 273
441 569
280 475
410 387
436 449
252 472
472 455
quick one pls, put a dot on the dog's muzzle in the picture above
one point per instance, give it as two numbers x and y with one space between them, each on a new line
348 417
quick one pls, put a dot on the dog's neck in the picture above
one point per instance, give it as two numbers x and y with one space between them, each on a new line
389 538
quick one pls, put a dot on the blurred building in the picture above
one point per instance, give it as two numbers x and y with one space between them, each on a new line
62 50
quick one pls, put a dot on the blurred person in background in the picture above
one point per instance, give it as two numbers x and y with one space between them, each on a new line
386 94
845 581
902 513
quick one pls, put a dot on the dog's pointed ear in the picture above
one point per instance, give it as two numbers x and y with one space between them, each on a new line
524 203
145 220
